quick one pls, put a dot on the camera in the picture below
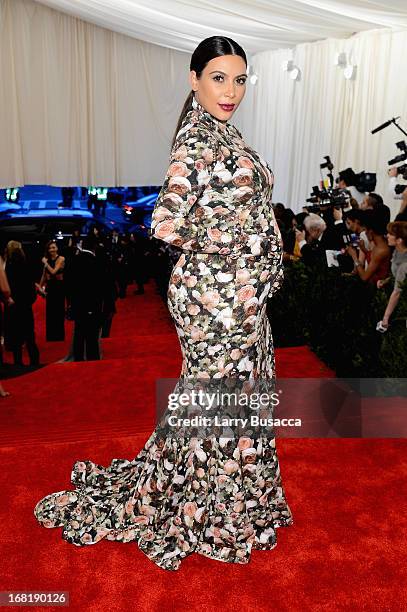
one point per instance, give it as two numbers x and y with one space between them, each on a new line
339 197
351 240
366 181
402 146
328 197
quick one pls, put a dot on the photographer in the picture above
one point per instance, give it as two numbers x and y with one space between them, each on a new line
317 239
347 180
378 259
395 200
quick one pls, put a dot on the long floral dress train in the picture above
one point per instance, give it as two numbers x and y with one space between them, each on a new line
217 496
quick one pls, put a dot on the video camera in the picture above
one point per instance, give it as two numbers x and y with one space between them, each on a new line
402 146
324 196
328 197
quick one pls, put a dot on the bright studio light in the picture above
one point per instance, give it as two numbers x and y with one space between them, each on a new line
350 72
295 74
288 65
293 71
253 76
340 60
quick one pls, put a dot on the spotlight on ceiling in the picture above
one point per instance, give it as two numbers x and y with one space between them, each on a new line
340 60
288 65
293 71
253 76
350 72
295 74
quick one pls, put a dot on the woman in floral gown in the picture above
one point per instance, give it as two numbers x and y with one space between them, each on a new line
217 496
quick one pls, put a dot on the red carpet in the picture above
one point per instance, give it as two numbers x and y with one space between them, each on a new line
344 552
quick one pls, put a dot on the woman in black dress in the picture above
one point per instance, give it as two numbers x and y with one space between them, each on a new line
5 299
52 281
18 315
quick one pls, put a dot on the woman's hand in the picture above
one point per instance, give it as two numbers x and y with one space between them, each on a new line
44 261
362 246
299 235
382 282
352 252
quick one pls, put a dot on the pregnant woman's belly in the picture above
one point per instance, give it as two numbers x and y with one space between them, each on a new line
219 308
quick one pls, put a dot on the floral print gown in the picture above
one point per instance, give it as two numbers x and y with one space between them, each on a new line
218 497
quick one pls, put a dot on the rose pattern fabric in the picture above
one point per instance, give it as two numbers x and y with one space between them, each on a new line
218 497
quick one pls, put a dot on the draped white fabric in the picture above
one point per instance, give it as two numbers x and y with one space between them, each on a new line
295 123
257 24
81 105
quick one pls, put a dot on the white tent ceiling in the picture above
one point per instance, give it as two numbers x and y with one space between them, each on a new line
257 25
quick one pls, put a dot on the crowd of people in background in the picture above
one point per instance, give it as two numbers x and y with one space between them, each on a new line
359 238
82 279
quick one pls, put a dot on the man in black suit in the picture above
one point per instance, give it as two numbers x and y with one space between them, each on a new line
316 239
86 291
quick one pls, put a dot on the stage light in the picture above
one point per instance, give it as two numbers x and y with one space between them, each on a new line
340 60
253 76
350 72
293 71
12 194
101 193
288 65
295 74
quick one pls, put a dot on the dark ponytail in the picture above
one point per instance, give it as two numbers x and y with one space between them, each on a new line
187 106
208 49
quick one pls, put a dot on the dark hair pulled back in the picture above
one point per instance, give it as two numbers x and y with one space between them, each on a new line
208 49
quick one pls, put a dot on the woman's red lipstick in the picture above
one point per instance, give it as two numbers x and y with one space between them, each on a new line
227 107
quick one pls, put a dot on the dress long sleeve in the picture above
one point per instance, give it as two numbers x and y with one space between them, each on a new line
227 497
192 210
